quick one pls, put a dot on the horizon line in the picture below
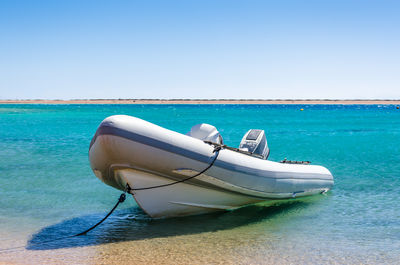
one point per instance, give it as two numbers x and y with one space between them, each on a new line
200 99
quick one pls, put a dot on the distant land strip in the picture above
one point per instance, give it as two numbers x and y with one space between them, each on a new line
207 101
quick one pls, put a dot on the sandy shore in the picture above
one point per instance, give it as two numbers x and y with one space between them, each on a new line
203 101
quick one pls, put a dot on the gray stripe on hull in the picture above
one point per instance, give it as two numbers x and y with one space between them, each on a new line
108 130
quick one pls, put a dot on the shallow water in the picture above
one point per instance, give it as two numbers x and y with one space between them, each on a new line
48 190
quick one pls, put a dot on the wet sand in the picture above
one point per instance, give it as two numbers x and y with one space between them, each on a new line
206 101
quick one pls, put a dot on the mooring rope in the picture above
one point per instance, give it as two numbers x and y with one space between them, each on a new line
217 148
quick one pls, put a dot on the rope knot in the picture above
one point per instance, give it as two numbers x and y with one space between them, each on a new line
217 148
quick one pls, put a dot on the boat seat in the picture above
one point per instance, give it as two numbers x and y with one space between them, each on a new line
205 132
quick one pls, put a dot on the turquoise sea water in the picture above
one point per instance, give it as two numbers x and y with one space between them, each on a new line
48 190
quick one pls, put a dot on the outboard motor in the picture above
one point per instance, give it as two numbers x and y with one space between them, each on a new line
206 132
255 142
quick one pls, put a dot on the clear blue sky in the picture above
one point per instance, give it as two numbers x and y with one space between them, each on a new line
199 49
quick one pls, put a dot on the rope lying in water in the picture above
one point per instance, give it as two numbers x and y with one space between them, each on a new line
122 198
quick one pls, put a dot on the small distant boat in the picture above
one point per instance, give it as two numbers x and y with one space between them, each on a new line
172 174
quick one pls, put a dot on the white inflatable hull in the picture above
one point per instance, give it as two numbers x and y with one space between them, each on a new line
128 150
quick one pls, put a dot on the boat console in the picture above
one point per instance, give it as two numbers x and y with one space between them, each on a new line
255 142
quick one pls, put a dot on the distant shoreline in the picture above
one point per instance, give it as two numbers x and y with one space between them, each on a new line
208 101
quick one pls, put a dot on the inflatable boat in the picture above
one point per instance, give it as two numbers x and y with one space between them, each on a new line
172 174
